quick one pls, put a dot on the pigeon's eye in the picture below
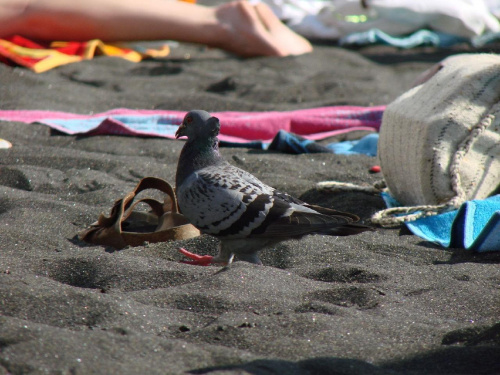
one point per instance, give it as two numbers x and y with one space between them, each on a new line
189 119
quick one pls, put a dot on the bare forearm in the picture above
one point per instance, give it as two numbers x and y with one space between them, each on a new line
238 26
115 20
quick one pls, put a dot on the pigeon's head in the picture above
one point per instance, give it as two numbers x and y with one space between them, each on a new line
198 124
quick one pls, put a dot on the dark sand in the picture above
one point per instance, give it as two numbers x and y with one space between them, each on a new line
378 303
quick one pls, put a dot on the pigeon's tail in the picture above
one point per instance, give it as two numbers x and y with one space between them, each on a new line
347 230
307 221
339 223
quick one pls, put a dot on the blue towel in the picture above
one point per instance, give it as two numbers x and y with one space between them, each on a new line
484 39
291 143
418 38
366 145
295 144
474 226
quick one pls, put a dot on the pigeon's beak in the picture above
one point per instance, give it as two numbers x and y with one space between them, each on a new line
180 132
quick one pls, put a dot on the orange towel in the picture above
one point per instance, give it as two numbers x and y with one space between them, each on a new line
18 50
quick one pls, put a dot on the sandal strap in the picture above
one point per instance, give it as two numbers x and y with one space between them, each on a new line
170 224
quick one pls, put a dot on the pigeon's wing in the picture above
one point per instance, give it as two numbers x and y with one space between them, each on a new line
317 209
224 201
284 215
289 218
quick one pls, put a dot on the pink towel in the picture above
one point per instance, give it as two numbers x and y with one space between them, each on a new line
314 124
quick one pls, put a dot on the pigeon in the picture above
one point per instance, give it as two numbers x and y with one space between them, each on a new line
234 206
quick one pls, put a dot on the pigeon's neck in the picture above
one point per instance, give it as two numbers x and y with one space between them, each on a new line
195 155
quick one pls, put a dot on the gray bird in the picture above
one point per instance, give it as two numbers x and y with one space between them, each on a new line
236 207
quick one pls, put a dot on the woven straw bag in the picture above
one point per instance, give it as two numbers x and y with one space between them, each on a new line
439 142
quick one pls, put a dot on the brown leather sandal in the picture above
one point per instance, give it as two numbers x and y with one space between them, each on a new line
126 227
